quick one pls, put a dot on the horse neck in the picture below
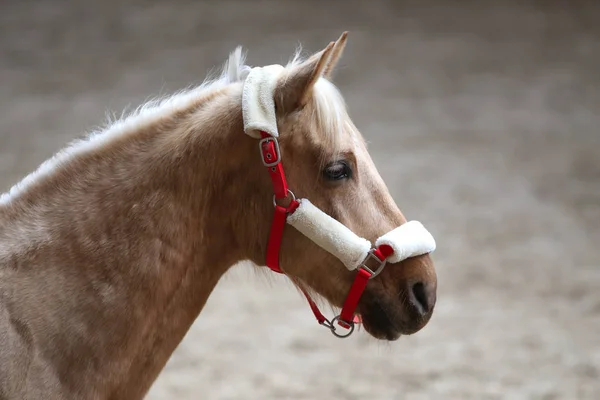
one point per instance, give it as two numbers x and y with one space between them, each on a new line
130 241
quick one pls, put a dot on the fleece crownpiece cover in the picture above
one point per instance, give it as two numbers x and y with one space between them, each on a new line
258 103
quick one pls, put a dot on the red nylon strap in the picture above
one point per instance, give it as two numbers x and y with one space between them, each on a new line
273 246
270 155
383 251
358 287
276 234
356 291
313 306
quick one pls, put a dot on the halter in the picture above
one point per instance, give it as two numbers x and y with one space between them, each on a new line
271 158
408 240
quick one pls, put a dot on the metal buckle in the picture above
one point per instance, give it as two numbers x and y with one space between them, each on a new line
331 326
379 267
277 152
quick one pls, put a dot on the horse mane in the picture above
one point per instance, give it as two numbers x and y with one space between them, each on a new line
329 112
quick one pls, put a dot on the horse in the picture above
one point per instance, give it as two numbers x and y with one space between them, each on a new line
110 249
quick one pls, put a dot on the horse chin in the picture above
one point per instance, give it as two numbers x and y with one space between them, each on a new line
387 321
379 331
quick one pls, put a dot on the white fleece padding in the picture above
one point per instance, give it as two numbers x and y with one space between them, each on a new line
258 104
330 234
408 240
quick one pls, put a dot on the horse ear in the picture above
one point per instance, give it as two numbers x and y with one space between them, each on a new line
295 88
336 54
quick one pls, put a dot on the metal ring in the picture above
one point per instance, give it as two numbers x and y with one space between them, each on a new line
333 328
289 192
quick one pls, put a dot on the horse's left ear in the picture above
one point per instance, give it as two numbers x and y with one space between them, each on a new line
336 54
294 89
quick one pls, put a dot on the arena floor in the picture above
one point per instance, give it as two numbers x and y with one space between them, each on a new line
484 120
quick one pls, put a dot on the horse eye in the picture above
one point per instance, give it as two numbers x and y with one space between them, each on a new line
337 170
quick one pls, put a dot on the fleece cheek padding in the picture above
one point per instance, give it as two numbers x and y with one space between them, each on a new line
408 240
330 234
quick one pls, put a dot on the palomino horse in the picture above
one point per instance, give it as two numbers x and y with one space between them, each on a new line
110 249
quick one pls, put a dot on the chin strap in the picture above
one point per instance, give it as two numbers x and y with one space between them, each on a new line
271 158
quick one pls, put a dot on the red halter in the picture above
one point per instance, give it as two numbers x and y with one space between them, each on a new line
271 158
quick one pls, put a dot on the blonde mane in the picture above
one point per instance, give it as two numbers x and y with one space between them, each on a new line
330 116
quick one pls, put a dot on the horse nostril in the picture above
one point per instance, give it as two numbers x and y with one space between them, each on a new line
420 298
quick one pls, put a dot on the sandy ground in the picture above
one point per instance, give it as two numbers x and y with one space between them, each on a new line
484 119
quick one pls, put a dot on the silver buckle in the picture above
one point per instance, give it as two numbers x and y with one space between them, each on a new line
379 267
277 152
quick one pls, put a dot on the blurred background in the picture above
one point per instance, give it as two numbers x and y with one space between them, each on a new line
483 118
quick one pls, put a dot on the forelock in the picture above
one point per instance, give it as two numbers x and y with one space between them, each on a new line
331 118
